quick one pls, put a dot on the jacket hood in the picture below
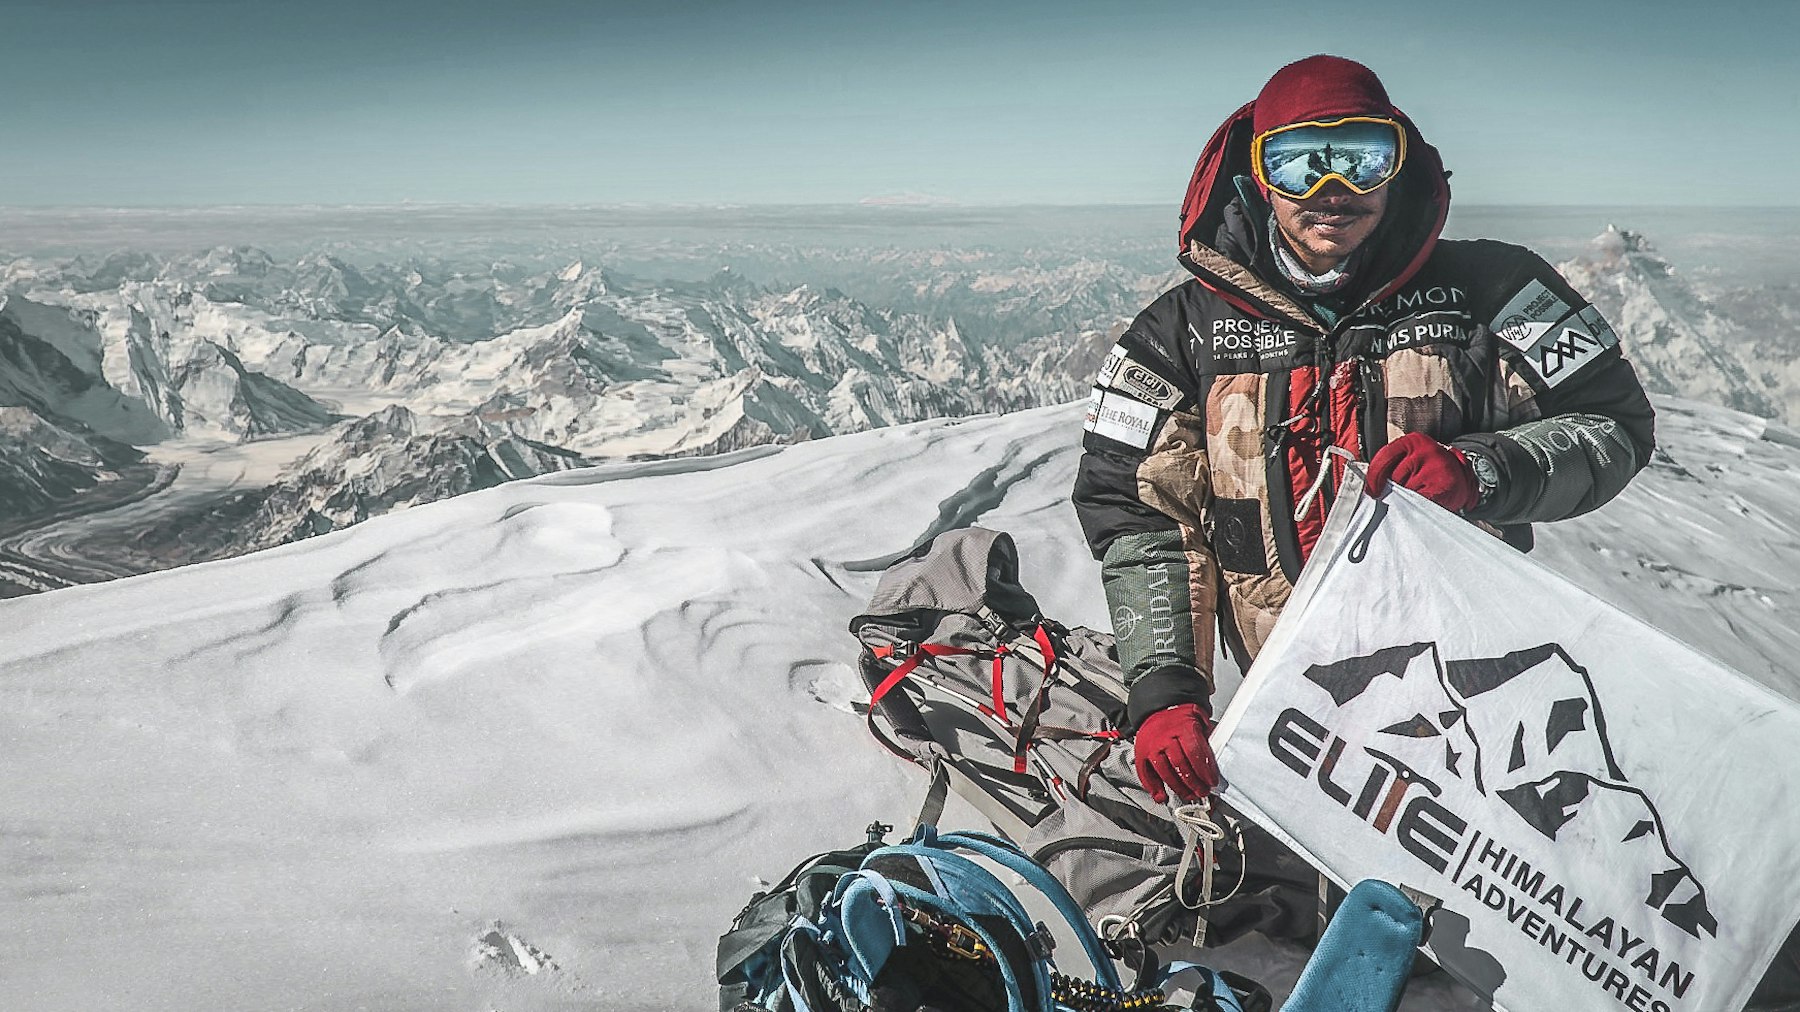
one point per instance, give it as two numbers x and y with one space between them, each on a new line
1319 87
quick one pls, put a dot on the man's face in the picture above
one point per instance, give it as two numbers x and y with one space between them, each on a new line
1328 226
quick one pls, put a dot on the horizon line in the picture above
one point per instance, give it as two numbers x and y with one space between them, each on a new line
872 207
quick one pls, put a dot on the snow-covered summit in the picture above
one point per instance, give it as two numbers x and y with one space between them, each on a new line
574 718
1678 338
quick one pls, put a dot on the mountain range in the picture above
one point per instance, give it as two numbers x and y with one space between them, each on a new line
363 387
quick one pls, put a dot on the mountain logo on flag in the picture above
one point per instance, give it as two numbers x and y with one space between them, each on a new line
1528 729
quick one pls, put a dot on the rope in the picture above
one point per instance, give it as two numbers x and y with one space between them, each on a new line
1204 835
1324 473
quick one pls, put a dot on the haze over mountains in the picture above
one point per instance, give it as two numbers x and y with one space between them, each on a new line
160 408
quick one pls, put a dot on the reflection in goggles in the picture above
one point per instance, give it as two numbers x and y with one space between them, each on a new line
1364 153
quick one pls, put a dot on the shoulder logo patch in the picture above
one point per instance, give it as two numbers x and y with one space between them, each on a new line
1529 315
1110 367
1120 418
1140 382
1571 344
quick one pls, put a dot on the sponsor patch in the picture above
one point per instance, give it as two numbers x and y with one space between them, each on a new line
1419 300
1571 344
1121 418
1145 385
1093 409
1110 367
1529 315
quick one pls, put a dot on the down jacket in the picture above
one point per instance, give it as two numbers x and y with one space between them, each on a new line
1209 421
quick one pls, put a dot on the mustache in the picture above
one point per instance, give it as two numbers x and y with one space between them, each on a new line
1312 217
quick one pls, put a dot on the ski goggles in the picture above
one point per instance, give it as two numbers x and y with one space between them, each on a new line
1362 152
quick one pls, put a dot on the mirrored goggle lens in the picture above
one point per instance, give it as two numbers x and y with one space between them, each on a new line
1366 154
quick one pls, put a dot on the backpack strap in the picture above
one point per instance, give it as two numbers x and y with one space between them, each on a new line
1028 730
1008 856
925 652
953 771
999 685
911 664
869 930
1028 721
807 973
969 786
995 623
931 810
1220 991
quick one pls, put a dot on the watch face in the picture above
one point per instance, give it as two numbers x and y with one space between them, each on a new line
1485 471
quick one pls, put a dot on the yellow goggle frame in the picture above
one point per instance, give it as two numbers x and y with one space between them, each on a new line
1256 160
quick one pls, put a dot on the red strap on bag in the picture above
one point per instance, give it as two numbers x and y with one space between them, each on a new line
1028 729
1042 636
894 678
1000 685
1028 721
898 675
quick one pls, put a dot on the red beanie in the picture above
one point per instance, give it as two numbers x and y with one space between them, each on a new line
1320 88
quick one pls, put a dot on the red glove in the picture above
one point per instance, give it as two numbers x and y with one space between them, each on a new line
1172 753
1437 472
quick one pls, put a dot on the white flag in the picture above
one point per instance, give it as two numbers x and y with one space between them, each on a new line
1609 818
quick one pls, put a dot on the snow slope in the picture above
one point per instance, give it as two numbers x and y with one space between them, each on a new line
526 748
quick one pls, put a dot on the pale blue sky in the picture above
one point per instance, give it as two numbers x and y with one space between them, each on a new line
139 102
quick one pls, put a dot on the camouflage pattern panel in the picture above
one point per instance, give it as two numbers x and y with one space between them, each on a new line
1243 539
1234 436
1256 602
1427 392
1175 479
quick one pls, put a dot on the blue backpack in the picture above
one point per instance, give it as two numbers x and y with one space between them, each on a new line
922 926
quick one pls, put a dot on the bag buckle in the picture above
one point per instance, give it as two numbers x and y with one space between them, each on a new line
962 941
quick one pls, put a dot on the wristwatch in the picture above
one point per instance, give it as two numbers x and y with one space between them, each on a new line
1487 475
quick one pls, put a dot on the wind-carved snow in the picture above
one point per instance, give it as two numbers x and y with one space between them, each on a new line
592 706
519 706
